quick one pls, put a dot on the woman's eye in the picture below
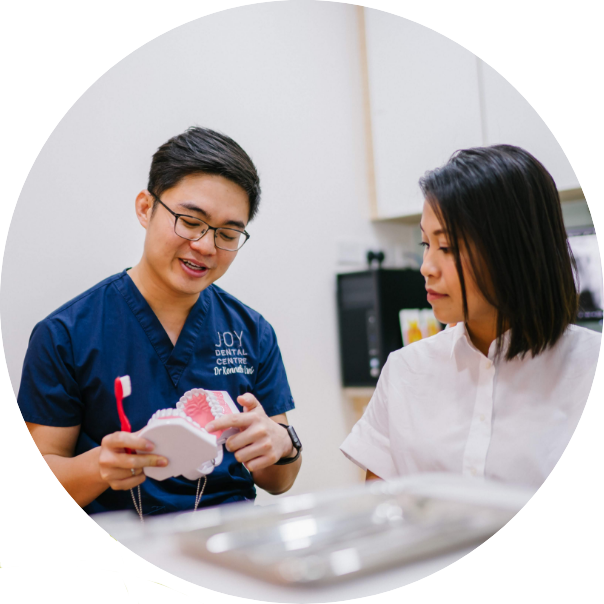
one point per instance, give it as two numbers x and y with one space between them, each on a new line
443 248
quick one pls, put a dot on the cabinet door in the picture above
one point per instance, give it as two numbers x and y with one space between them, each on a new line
510 119
424 105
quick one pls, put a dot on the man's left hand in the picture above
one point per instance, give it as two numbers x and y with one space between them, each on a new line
261 441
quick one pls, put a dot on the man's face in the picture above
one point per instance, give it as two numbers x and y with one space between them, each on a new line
442 281
188 267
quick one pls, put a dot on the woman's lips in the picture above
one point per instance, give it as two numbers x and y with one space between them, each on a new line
433 295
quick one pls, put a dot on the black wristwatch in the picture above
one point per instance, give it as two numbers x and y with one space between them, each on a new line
295 442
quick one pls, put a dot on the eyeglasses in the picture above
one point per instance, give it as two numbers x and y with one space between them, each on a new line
193 229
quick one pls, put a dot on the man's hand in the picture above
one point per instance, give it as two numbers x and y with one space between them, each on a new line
116 466
89 474
261 441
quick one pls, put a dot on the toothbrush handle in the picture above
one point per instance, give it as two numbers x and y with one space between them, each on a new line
124 423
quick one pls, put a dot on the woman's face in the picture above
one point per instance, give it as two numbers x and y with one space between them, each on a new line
442 281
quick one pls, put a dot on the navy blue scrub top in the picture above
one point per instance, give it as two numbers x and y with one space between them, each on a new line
75 354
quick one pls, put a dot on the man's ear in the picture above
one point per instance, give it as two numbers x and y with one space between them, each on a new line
144 207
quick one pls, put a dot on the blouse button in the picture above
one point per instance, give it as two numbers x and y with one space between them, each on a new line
488 364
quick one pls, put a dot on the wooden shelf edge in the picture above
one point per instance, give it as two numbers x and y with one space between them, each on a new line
414 219
359 392
405 219
572 195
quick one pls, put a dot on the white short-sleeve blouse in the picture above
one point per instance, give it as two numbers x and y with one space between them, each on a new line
442 406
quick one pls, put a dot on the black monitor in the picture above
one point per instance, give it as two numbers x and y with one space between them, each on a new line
584 245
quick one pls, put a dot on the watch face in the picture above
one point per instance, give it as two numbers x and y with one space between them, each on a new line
295 440
296 444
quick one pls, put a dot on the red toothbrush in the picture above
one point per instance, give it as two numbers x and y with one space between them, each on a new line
123 388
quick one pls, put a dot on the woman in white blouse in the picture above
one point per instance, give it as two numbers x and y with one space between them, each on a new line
499 394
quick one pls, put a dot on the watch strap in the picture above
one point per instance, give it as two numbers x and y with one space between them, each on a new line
296 444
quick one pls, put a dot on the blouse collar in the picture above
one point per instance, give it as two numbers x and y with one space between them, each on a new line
460 334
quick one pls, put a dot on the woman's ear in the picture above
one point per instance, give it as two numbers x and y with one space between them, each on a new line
144 207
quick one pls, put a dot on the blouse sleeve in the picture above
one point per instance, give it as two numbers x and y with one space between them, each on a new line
368 445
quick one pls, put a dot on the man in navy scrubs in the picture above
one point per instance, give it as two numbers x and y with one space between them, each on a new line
166 325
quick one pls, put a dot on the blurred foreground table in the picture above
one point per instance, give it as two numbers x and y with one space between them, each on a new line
160 539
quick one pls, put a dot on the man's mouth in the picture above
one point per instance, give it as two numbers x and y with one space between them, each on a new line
193 267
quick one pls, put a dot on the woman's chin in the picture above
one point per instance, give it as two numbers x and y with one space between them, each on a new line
446 319
440 317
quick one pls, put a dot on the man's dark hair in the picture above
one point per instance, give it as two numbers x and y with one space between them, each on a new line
203 151
502 206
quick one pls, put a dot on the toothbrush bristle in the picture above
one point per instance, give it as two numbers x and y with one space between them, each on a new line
126 385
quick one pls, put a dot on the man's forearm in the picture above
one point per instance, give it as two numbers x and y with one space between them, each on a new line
277 479
79 475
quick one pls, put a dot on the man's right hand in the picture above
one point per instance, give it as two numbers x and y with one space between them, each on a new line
121 470
87 475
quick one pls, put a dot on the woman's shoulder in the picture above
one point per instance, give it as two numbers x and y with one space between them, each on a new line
576 351
579 339
576 335
436 347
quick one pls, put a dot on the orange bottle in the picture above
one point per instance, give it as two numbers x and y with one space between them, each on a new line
414 333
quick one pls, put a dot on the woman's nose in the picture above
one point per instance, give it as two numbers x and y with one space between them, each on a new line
428 268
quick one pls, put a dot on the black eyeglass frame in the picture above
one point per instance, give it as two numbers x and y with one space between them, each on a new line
210 228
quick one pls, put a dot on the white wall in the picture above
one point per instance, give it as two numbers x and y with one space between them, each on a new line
283 80
509 118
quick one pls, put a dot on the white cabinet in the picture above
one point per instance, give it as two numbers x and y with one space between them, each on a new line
509 118
427 97
424 105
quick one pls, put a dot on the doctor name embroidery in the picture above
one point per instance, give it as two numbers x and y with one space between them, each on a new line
231 356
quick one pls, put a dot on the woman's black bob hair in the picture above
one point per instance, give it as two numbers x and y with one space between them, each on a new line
501 207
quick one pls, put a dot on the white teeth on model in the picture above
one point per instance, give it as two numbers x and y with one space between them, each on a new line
193 266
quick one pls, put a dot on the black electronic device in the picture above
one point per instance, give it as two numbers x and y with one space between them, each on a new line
368 313
584 245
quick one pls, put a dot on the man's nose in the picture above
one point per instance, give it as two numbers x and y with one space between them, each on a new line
205 245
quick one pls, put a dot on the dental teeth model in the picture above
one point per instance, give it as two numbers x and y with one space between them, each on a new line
180 435
205 405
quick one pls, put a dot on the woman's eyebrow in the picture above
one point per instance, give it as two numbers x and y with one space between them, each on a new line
435 233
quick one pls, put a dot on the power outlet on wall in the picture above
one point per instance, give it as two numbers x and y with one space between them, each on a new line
352 253
406 258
